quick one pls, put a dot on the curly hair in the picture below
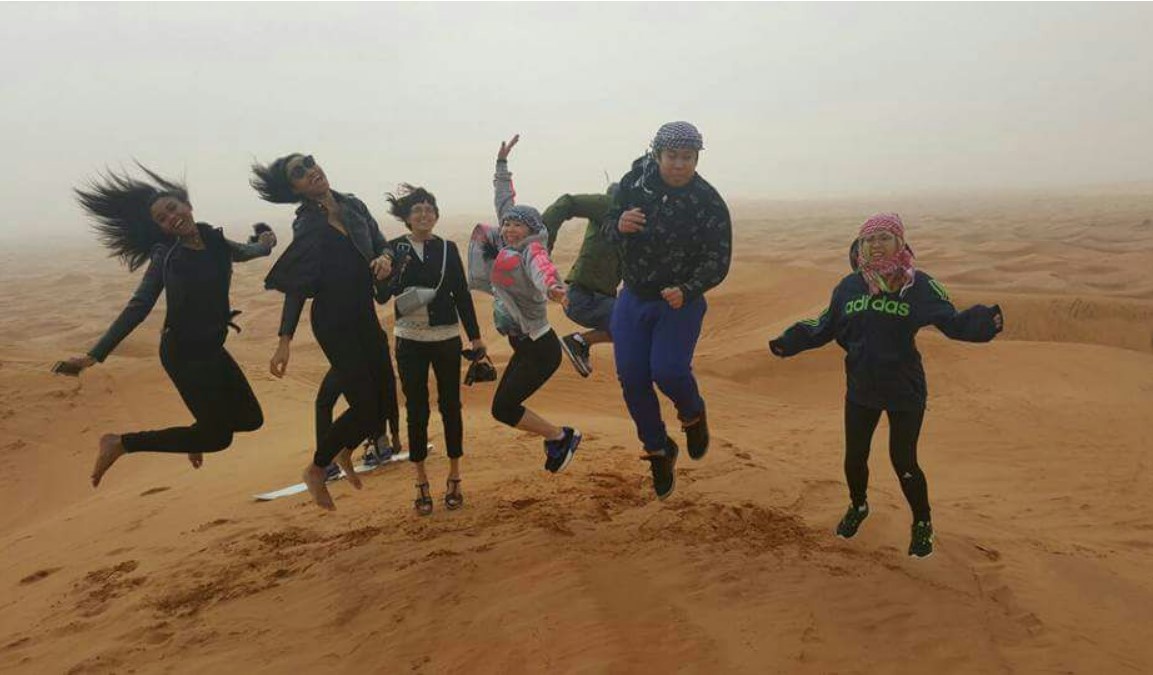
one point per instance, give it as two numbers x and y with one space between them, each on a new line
271 181
400 204
121 206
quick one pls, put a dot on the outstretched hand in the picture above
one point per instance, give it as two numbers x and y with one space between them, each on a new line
776 348
506 148
74 366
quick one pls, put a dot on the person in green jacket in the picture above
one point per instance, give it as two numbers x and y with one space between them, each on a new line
594 277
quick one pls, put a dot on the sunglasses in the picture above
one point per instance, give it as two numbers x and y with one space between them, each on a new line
299 170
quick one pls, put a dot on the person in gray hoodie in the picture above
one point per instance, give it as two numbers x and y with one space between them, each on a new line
511 263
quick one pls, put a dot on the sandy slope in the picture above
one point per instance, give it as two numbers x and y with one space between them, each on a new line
1036 447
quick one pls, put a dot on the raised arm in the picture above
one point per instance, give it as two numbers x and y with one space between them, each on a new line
138 307
504 194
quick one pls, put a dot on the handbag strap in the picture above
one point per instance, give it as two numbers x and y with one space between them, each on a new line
443 263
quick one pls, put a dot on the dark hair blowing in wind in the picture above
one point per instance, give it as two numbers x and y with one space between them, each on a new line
271 181
400 204
121 206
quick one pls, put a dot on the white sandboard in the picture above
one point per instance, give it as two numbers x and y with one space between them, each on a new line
301 487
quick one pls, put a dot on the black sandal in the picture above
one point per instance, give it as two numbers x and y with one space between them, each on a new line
423 503
453 499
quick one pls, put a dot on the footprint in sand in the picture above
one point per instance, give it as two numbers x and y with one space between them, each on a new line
38 575
152 491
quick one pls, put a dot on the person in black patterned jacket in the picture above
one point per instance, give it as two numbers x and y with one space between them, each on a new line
675 238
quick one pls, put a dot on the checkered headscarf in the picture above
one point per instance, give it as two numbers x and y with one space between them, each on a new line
525 214
678 135
900 265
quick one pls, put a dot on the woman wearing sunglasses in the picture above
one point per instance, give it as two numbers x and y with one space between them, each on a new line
191 262
432 303
336 255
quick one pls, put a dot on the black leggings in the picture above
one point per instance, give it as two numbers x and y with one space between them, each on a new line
413 359
532 363
216 393
356 353
330 391
904 430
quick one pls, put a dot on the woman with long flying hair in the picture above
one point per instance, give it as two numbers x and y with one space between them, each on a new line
150 221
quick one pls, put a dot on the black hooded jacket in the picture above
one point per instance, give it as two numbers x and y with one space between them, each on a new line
878 333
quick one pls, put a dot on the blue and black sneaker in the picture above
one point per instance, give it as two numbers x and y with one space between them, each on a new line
559 453
921 544
332 473
847 528
377 453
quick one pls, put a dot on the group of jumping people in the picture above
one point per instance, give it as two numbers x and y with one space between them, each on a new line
655 244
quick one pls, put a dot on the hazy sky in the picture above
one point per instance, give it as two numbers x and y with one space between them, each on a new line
794 100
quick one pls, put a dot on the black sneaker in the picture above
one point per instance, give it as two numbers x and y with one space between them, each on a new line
921 544
847 528
558 454
577 351
332 472
697 436
663 464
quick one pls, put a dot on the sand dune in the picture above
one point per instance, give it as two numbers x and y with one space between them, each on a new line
1036 447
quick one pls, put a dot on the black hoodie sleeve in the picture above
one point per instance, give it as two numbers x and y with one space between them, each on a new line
810 333
138 307
460 294
972 325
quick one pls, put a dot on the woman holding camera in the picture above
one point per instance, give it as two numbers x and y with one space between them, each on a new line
432 301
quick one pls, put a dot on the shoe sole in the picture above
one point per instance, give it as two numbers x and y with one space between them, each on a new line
576 362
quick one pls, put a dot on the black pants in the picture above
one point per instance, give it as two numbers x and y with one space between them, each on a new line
355 349
216 393
329 392
532 363
904 430
413 359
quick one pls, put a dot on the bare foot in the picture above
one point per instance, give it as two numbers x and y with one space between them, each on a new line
110 450
344 460
195 459
314 478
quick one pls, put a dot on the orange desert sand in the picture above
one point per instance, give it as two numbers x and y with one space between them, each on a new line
1038 449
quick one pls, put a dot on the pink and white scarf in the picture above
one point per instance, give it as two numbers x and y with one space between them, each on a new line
880 272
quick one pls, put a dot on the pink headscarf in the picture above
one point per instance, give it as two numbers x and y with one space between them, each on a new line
900 263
